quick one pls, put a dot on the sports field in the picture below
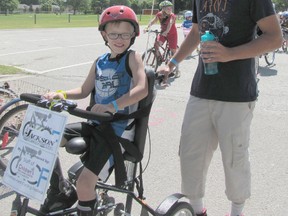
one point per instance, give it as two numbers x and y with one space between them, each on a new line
17 21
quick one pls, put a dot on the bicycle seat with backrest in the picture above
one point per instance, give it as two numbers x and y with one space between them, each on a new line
78 146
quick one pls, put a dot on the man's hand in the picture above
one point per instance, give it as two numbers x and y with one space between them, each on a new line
212 51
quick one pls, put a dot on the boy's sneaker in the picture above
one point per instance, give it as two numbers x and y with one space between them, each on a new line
57 200
204 213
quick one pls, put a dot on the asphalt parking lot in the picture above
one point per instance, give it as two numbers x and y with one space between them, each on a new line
61 58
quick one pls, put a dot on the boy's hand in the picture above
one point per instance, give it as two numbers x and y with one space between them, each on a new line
53 95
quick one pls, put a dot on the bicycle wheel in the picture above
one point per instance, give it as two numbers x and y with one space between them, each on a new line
6 95
270 57
10 125
257 64
284 46
168 57
151 59
181 209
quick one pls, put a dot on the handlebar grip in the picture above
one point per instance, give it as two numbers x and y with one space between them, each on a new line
32 98
102 117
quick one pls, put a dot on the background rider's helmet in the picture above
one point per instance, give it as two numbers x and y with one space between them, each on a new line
165 3
119 13
188 14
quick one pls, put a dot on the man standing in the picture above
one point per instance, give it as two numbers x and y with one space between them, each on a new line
220 107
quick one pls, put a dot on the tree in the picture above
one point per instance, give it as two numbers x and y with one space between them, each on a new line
120 2
8 5
46 5
281 5
30 2
99 5
79 5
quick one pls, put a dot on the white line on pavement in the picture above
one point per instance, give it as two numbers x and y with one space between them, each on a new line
51 48
55 69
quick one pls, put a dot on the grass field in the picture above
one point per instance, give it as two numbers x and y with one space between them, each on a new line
4 70
17 21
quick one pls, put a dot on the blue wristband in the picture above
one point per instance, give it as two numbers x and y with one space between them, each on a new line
115 105
174 61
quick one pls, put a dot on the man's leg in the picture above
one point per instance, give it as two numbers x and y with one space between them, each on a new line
233 124
197 145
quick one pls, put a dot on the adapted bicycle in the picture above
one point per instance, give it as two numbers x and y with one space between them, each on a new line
173 205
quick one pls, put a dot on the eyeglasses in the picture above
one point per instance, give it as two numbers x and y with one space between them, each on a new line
124 36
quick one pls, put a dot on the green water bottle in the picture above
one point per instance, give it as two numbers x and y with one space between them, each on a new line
209 68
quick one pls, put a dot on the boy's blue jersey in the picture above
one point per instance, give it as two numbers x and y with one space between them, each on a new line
187 24
113 81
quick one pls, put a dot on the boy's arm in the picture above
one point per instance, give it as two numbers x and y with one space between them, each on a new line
86 88
76 93
140 84
172 22
154 20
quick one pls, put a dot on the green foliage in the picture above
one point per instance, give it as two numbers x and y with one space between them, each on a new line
8 5
79 5
281 5
97 6
120 2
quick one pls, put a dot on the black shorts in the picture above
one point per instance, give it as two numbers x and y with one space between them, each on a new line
98 158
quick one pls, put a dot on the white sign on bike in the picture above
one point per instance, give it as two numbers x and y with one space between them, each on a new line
33 158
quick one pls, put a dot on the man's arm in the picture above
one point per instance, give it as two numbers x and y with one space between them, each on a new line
189 44
270 39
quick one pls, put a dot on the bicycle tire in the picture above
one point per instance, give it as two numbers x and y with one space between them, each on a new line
181 209
284 46
6 95
270 57
151 60
10 125
257 64
168 57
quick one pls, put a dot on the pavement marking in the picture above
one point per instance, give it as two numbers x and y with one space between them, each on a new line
54 69
30 51
51 48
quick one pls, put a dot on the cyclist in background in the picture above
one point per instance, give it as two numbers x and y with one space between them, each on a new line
167 21
187 26
187 23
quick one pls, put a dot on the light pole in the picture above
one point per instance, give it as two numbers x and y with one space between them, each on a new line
173 2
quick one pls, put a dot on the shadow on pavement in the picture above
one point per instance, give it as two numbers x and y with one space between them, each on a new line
267 71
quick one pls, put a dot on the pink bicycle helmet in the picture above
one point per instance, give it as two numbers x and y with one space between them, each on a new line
119 13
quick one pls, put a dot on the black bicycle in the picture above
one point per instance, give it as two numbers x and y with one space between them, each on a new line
132 189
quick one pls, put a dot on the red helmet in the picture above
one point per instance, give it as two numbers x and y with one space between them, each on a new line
118 13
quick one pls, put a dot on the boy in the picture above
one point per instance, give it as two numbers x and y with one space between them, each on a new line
120 83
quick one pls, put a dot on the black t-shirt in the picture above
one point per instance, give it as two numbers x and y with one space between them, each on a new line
233 22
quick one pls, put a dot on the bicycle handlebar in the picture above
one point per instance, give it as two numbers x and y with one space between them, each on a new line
67 105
